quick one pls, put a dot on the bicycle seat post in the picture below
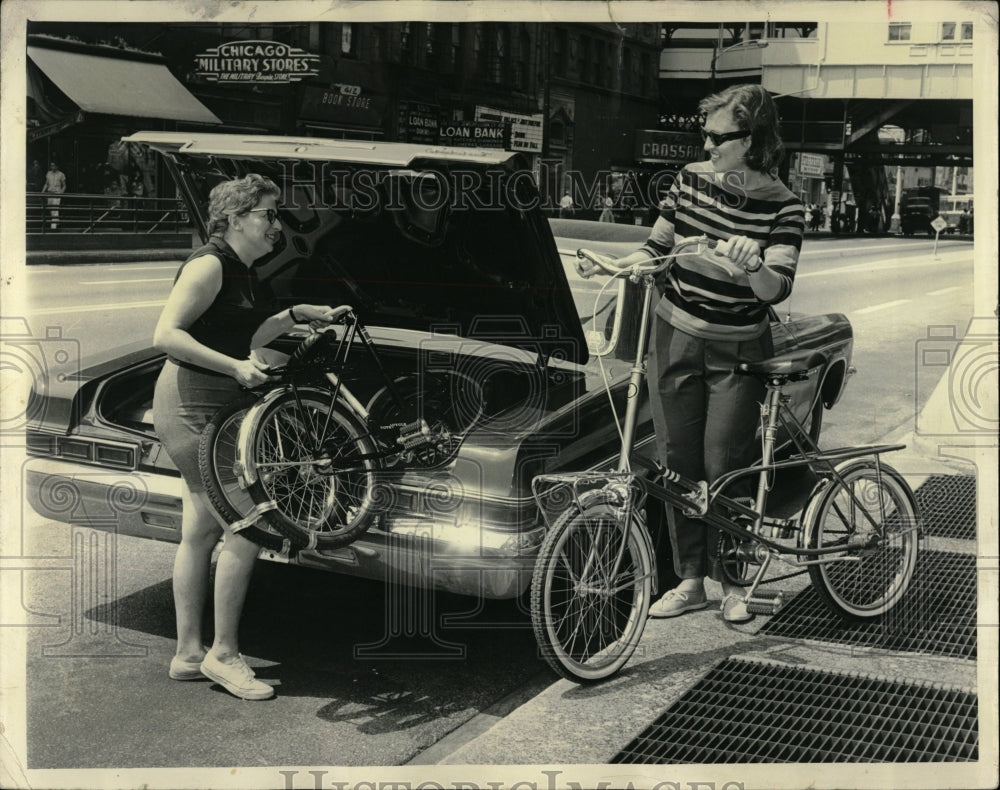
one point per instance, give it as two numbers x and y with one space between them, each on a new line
769 411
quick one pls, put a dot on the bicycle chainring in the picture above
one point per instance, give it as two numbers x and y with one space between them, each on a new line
736 560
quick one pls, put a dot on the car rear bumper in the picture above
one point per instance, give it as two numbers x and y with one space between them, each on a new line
132 503
468 560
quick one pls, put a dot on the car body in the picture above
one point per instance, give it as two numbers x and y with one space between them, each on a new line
481 283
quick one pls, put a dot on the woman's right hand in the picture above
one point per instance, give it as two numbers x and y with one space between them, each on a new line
251 373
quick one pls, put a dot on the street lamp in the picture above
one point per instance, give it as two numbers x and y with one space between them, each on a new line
718 53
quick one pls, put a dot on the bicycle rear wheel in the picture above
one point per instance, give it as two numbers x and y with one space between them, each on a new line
313 466
877 528
217 462
590 591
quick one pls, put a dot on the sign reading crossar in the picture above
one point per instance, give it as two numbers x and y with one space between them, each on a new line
256 61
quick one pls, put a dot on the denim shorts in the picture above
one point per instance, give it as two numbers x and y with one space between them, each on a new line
184 401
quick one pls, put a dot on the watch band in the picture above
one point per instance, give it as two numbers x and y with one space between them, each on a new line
748 270
291 314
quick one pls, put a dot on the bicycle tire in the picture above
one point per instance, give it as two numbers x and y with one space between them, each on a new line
587 630
875 582
316 499
216 461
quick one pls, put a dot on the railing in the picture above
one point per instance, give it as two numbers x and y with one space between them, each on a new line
76 213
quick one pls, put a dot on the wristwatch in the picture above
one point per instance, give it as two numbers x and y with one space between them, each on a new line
291 314
748 270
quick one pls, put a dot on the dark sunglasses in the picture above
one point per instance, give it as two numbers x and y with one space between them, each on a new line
718 139
270 213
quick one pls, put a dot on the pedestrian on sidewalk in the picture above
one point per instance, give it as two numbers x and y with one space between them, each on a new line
215 308
566 206
708 321
607 215
55 185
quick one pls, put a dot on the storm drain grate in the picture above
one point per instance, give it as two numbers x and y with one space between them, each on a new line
937 617
760 712
948 506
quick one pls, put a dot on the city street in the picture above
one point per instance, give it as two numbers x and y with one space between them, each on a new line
892 290
100 669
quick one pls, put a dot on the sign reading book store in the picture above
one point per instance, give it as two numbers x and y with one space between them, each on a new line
256 61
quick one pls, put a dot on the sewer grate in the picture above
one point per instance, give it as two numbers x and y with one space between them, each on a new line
948 506
763 712
937 617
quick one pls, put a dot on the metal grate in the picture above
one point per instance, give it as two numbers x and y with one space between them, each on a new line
760 712
948 506
937 617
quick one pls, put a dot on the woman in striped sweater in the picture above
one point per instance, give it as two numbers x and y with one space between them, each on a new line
710 319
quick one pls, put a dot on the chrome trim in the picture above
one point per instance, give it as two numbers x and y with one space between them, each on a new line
153 483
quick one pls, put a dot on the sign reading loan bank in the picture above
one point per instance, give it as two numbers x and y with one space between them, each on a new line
256 61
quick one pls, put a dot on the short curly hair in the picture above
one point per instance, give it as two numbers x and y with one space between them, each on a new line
755 111
237 197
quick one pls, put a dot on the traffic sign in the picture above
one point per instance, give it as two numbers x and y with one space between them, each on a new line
939 224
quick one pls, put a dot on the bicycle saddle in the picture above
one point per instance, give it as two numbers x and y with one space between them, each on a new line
315 348
795 365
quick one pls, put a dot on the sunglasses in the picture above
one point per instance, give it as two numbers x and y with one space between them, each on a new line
718 139
270 213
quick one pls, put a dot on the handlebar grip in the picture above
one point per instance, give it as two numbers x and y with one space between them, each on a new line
722 248
589 263
585 268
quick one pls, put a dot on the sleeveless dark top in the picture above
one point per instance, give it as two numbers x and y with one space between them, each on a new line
241 306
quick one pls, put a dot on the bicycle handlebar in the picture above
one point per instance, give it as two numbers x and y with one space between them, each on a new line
589 263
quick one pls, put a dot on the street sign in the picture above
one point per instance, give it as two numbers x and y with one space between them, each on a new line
812 165
938 224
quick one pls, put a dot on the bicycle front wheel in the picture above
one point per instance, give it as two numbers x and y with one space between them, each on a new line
590 591
872 518
313 467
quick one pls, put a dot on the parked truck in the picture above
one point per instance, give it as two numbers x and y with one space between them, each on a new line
918 207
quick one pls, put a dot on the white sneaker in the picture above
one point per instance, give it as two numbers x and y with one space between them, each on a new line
734 609
236 678
676 601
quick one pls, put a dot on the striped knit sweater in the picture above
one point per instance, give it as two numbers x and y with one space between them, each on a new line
701 299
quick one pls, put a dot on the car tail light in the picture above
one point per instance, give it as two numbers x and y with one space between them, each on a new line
99 452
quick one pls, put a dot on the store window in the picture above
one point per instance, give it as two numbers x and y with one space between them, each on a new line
947 31
501 54
456 45
347 41
586 54
405 44
899 31
432 52
966 31
560 47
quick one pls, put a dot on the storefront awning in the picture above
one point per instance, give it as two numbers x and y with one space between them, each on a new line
115 86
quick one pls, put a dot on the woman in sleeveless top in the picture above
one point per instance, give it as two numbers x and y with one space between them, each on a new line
709 320
216 312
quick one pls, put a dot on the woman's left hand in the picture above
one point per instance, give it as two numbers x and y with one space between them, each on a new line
319 315
743 251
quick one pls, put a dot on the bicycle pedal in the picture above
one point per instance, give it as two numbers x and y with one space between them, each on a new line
766 602
414 434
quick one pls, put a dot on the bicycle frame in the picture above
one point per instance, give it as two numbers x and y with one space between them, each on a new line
295 378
